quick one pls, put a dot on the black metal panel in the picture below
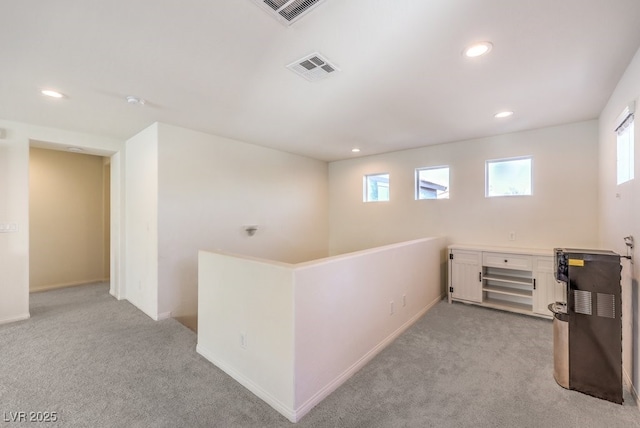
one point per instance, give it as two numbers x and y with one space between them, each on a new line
595 337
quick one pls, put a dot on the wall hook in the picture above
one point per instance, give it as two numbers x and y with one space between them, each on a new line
628 241
251 229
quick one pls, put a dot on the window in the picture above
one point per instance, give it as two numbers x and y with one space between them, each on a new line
625 143
376 187
432 183
508 177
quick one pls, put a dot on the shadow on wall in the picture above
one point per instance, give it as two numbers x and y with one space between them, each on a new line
635 333
444 271
189 321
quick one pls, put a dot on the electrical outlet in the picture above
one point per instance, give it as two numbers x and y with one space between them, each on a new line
243 340
512 236
391 307
404 300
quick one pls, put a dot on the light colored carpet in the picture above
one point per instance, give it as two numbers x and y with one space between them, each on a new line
98 362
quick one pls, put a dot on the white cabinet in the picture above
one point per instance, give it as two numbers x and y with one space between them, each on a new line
506 260
465 276
516 280
507 281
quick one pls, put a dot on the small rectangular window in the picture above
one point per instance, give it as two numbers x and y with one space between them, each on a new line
432 183
508 177
625 143
376 187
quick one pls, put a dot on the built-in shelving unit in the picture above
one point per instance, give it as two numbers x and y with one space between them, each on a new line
516 280
508 288
508 279
507 291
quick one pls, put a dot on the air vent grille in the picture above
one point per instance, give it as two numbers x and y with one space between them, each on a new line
296 8
606 305
288 11
582 302
308 65
313 67
276 4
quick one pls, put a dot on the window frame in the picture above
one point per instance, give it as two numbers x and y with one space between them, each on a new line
417 182
629 134
365 187
509 159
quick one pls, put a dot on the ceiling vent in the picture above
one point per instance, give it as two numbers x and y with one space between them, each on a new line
288 11
313 67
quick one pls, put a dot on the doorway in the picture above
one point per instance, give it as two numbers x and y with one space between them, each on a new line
69 219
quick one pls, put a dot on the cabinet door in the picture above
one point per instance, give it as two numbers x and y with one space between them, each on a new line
547 289
464 276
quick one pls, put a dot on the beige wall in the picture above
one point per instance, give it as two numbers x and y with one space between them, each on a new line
106 223
562 211
66 219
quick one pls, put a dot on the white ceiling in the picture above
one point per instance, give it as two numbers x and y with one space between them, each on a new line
219 66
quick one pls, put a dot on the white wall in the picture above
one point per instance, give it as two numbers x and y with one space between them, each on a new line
343 310
118 238
562 211
310 326
240 295
14 206
620 213
210 187
141 221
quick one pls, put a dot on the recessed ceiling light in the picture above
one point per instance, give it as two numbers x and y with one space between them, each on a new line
503 114
478 49
355 150
75 150
51 93
135 100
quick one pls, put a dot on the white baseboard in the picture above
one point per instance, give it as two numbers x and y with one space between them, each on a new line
14 319
344 376
265 396
66 284
116 295
629 383
294 415
153 316
156 317
163 316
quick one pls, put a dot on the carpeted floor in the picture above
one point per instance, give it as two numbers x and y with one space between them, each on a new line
98 362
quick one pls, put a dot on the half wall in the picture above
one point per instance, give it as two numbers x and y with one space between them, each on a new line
293 333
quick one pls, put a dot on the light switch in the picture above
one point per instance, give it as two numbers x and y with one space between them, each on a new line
8 227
